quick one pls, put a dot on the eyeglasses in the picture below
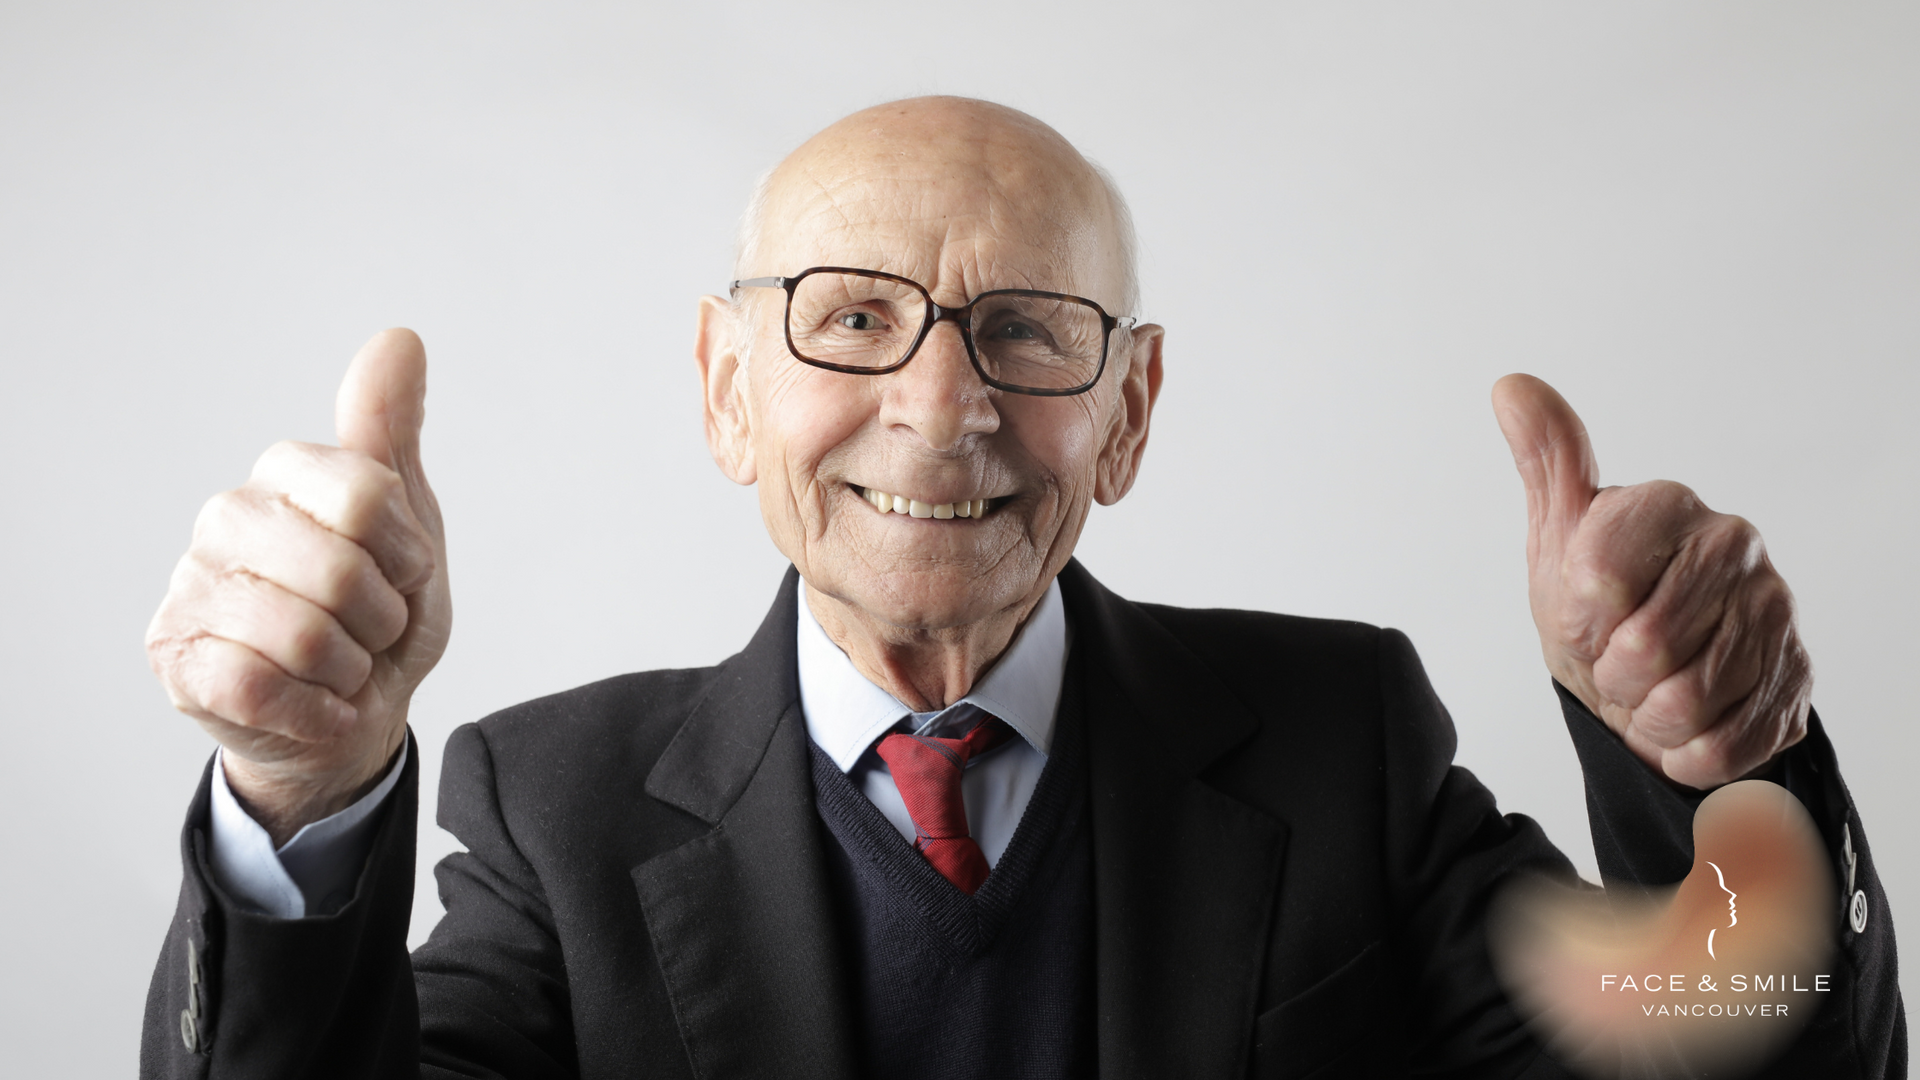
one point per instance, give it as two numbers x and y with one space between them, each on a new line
866 322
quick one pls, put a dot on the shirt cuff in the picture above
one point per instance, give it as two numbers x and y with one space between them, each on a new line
312 874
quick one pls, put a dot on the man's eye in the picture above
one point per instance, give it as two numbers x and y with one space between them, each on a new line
1016 332
859 320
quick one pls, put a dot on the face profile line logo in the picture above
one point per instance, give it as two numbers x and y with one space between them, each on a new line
1732 912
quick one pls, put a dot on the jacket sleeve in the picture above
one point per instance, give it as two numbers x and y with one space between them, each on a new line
237 993
242 994
1449 850
494 1000
1643 835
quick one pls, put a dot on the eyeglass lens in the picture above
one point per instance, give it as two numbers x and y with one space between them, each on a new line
1037 342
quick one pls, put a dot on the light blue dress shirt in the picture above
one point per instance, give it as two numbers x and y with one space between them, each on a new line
313 873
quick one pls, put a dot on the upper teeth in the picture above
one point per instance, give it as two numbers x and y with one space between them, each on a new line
900 504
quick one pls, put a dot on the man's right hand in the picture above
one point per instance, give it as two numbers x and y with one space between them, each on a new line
313 600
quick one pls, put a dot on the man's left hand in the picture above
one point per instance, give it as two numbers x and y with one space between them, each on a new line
1665 618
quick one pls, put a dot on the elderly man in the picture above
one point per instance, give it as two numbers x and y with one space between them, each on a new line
956 810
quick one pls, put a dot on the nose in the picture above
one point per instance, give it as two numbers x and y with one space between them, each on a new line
938 395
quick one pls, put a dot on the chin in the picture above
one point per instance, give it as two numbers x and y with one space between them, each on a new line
930 599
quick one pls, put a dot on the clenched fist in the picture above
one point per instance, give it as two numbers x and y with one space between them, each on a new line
1664 617
313 600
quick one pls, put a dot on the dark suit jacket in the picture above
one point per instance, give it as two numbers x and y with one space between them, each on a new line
1290 879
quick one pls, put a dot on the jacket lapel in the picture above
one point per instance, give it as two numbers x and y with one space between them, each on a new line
1185 877
741 916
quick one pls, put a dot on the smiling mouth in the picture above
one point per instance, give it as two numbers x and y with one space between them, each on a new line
901 504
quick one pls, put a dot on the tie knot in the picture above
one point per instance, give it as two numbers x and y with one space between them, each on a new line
917 752
927 770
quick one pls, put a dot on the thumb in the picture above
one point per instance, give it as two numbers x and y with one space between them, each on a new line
381 405
1555 458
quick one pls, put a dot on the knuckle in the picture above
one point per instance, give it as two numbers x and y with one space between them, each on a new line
1740 529
369 501
1635 646
1597 598
347 585
310 644
1775 614
1594 579
252 692
175 606
275 460
324 574
168 655
240 590
1616 687
1672 494
1708 763
331 581
1672 711
189 575
1575 637
1735 542
162 648
219 515
197 676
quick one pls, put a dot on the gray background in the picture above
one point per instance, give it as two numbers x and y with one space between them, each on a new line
1697 220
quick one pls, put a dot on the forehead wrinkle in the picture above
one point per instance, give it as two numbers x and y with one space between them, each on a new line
983 249
915 214
823 201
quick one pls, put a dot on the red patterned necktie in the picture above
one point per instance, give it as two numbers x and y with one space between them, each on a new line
927 771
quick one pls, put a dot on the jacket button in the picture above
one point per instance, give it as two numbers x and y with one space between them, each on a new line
1857 911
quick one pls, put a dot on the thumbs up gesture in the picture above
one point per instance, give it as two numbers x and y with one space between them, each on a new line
313 600
1665 618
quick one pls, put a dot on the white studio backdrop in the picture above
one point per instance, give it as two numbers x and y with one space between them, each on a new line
1697 220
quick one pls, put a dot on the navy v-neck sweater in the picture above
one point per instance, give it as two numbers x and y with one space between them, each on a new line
948 986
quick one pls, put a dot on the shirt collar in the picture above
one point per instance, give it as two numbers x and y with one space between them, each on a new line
846 713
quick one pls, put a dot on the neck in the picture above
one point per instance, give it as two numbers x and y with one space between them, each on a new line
925 669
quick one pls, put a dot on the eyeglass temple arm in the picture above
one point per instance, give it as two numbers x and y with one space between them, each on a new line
760 283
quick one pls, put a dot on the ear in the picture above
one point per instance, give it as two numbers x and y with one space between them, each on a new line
1126 440
723 390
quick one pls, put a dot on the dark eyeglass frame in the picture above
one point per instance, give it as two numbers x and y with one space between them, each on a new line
962 320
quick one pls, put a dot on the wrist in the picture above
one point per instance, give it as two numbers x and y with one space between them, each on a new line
286 795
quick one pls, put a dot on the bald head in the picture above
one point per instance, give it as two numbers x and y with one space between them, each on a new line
900 180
